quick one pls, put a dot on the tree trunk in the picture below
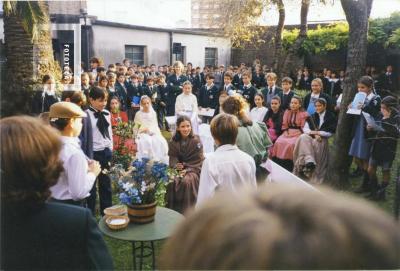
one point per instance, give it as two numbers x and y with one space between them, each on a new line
278 36
27 62
357 14
288 65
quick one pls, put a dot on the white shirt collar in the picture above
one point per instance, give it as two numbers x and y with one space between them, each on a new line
315 95
70 140
248 86
226 147
370 96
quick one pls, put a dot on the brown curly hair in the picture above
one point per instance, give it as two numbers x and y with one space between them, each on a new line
236 105
30 162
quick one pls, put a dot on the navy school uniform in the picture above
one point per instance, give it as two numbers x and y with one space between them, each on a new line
360 146
269 93
329 103
198 82
230 89
237 80
151 91
161 100
41 103
248 92
208 97
175 88
305 83
258 80
134 93
285 99
122 94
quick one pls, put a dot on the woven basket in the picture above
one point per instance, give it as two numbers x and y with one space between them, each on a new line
116 210
119 226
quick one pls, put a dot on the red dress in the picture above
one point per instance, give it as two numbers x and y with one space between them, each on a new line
115 119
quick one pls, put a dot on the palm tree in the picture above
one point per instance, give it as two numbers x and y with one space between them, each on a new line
29 53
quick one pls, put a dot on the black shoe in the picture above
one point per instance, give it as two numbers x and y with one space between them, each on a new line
358 172
365 185
380 194
374 187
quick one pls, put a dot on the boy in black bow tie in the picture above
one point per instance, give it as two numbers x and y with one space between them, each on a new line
102 146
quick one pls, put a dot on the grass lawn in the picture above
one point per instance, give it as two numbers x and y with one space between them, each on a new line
121 251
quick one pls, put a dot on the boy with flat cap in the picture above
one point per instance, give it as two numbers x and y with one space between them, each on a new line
80 173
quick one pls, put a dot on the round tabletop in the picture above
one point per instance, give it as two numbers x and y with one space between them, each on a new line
161 228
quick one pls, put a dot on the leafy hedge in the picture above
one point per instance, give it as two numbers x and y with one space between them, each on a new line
382 32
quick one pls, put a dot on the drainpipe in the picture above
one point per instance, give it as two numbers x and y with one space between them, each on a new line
170 46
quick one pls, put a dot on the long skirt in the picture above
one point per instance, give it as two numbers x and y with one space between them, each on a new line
284 145
152 147
310 150
182 193
360 147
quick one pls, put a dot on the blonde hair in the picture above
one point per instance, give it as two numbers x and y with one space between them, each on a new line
178 64
280 227
187 83
319 81
271 75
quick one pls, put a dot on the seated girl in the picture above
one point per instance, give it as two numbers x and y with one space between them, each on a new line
186 156
150 142
258 112
186 104
311 152
294 120
118 117
273 119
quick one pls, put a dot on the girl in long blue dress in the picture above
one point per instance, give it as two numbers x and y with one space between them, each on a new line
360 146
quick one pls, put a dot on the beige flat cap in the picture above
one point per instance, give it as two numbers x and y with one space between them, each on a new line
66 110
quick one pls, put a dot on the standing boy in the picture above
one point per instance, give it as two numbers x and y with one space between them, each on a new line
102 146
247 90
272 89
79 175
287 94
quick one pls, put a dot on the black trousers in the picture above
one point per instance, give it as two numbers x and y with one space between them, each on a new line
103 181
161 113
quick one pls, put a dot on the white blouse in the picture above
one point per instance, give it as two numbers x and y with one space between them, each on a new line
258 113
186 102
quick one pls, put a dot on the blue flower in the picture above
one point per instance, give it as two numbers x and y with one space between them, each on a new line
125 198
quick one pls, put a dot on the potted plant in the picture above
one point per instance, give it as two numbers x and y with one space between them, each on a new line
140 186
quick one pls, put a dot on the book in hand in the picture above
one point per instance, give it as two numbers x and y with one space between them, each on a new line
358 100
371 122
136 100
206 112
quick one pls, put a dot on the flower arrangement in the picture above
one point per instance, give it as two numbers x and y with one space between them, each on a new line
124 153
143 183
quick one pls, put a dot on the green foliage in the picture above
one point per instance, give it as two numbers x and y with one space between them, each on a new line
33 15
383 32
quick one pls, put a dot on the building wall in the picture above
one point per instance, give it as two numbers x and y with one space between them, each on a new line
66 7
196 44
109 44
1 29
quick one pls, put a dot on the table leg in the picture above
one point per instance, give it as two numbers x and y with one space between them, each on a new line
141 255
153 255
134 255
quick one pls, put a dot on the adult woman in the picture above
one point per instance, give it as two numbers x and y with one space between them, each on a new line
150 142
316 92
294 120
185 155
175 82
273 119
46 235
253 137
311 152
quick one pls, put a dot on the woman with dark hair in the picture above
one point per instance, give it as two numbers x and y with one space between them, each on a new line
37 234
253 137
186 156
311 151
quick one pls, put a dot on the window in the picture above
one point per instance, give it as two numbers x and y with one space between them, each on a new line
180 57
211 57
135 54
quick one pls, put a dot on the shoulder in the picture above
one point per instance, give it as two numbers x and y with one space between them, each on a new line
65 214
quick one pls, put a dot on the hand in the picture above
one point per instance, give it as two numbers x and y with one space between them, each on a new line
94 167
179 166
369 127
145 130
360 105
207 109
199 107
318 138
162 104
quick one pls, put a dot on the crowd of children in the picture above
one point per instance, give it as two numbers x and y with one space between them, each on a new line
273 121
